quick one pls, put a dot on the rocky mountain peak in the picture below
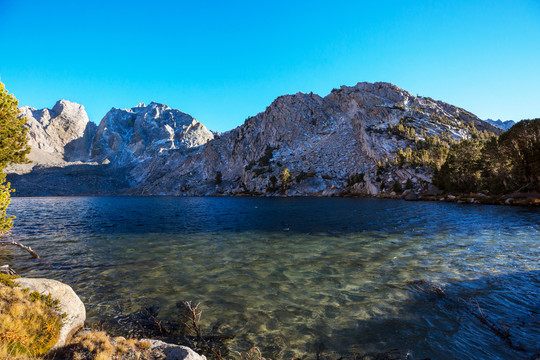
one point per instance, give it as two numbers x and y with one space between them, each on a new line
71 110
133 135
361 139
505 125
52 130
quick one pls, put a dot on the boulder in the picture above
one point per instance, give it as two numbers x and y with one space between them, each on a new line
173 352
432 190
70 304
411 197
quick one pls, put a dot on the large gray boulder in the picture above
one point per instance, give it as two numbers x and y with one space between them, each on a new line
70 304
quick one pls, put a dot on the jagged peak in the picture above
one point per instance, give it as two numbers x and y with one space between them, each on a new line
62 106
66 108
291 98
58 107
153 105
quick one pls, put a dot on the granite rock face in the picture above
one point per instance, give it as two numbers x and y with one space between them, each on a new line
131 136
51 130
72 156
321 142
56 136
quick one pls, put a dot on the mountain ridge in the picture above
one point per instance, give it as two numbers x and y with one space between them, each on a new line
505 125
321 141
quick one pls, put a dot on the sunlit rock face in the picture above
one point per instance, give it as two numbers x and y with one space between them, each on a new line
51 130
71 155
131 136
56 136
321 142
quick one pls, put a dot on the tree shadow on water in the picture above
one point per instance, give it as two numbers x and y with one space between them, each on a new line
493 317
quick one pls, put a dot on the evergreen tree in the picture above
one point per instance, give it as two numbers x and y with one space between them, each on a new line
285 177
13 149
510 163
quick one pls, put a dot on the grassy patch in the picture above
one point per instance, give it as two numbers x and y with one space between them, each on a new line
100 346
29 322
7 280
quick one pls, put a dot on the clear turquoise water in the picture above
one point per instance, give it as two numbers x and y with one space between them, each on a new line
290 274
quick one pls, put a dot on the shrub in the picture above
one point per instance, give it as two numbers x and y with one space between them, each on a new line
285 177
273 183
355 179
100 346
268 154
29 323
409 184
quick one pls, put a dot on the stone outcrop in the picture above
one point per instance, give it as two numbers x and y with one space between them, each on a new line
128 136
72 156
321 141
56 136
70 304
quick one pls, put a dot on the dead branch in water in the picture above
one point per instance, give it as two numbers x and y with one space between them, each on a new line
472 306
191 317
503 333
18 244
5 269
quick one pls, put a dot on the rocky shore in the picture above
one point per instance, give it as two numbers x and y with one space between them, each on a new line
72 341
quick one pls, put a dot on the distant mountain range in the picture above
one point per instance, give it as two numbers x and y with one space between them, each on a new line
505 125
302 144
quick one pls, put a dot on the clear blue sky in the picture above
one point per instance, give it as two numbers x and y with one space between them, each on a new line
222 61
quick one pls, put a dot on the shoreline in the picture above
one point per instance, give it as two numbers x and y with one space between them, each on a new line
516 199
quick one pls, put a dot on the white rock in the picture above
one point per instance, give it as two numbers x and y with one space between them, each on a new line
174 352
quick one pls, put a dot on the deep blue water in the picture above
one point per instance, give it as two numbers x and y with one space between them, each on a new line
290 274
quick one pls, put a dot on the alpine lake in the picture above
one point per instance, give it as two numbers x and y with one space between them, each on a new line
300 277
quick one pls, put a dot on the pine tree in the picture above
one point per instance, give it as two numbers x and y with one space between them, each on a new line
13 150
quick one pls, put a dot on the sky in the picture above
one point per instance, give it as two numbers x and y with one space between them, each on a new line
223 61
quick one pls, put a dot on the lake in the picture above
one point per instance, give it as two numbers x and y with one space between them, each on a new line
294 276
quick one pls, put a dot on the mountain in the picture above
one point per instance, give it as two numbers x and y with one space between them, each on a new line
130 136
505 125
56 136
71 155
302 144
